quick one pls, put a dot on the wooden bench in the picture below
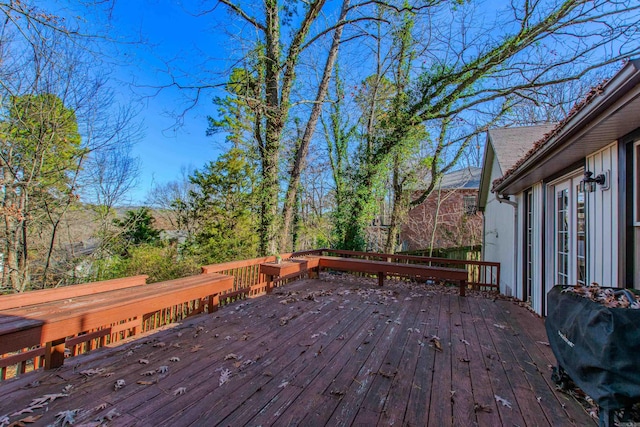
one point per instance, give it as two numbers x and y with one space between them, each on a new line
50 323
56 294
288 268
382 268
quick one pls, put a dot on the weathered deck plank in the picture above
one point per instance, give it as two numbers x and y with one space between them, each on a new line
350 353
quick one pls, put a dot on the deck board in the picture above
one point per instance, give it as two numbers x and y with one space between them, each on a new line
350 353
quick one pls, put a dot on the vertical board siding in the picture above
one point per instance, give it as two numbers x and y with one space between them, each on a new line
603 219
537 293
498 236
520 257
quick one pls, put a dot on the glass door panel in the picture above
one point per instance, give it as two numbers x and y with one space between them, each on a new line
562 230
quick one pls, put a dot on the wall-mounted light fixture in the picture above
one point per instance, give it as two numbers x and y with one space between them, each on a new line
588 184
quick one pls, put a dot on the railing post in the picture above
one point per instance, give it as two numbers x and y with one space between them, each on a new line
463 288
54 354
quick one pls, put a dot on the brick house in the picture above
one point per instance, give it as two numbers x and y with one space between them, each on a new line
448 218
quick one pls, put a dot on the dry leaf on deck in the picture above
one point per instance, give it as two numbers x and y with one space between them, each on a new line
179 391
481 408
224 376
66 418
503 401
92 372
436 343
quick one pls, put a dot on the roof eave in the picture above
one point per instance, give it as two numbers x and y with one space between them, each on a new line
627 78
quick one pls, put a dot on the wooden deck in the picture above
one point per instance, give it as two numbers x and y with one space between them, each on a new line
335 351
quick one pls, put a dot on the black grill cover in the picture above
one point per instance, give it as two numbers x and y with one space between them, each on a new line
598 347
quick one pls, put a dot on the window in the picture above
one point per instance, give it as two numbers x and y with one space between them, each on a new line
562 236
469 203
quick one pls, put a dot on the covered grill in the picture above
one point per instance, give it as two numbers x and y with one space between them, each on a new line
598 347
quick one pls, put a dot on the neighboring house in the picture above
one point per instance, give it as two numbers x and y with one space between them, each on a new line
448 217
574 198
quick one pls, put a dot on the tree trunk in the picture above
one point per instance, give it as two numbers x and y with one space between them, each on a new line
399 208
303 148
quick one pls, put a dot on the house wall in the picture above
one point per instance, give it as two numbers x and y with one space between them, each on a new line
602 238
498 232
538 293
453 226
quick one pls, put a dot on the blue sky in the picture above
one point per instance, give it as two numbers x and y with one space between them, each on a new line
168 32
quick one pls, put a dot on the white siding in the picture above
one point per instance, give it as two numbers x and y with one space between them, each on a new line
537 291
519 249
499 236
603 219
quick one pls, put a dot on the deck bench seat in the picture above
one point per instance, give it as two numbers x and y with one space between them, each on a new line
50 323
382 268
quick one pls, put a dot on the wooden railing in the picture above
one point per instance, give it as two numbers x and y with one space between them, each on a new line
482 275
247 282
46 329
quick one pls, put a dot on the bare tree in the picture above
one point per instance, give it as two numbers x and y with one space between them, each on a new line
470 74
56 113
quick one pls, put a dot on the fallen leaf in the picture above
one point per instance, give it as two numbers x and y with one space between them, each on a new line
196 348
28 410
159 344
179 391
143 361
503 401
436 343
119 384
225 375
31 418
174 359
46 399
146 382
162 369
66 418
481 408
92 372
109 416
